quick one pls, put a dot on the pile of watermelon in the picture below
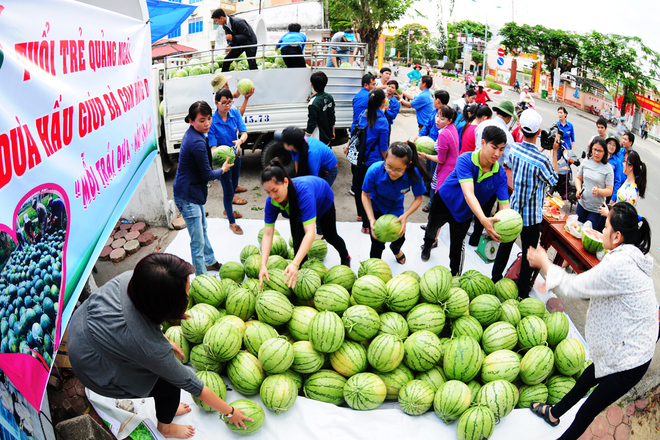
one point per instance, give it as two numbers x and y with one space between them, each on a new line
463 346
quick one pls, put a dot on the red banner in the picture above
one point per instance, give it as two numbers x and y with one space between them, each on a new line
648 104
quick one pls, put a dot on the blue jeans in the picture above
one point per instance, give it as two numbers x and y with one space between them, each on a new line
597 220
229 181
200 246
342 57
329 177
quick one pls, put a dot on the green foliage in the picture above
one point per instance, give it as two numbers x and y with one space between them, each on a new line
494 86
449 66
473 28
452 75
477 57
478 78
421 43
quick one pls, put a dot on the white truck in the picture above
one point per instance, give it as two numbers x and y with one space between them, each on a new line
280 99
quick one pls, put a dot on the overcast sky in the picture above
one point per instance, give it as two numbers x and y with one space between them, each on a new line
639 18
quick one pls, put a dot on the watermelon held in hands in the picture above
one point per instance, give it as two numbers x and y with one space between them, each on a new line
387 228
425 145
220 155
509 226
244 86
250 409
592 241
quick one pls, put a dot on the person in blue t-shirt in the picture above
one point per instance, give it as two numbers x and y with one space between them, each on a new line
57 213
293 43
229 129
305 201
393 106
384 190
361 98
476 178
311 156
567 128
422 103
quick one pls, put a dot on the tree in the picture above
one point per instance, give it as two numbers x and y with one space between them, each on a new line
517 39
368 17
474 28
419 40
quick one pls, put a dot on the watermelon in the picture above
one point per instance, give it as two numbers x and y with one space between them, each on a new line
213 313
509 226
342 275
394 324
558 387
250 409
462 359
326 331
206 289
387 228
458 302
395 380
279 247
592 241
536 365
474 283
505 289
426 145
416 397
215 384
222 341
500 365
369 290
435 284
467 326
256 334
364 391
235 321
261 234
569 357
413 274
376 267
325 386
298 325
531 306
385 352
500 396
306 359
402 293
486 308
242 303
451 400
196 325
273 308
476 423
275 262
233 271
290 254
434 377
277 282
422 350
275 355
557 326
332 297
227 286
253 286
349 359
510 314
531 332
202 360
318 250
474 387
316 265
244 85
248 250
361 323
278 392
252 266
307 284
499 336
245 373
532 393
175 334
426 316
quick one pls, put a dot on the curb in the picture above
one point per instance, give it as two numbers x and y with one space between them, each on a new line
458 80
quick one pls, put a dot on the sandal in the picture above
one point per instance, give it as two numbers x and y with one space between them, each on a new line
435 245
238 201
542 410
426 208
401 259
365 231
236 229
240 189
359 218
236 214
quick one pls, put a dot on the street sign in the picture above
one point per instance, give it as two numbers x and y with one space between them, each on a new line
500 51
468 47
445 58
500 61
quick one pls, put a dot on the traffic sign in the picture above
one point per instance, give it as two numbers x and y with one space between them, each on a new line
500 51
468 47
500 61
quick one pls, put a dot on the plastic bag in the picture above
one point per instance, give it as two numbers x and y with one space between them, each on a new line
573 226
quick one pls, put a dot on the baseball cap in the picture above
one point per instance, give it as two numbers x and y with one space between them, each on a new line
507 108
219 81
530 121
349 35
292 136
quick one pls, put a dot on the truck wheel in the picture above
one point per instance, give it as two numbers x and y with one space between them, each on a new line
275 149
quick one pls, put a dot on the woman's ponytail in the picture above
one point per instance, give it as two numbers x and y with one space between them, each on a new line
634 228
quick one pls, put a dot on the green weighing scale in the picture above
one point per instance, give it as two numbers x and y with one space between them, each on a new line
487 249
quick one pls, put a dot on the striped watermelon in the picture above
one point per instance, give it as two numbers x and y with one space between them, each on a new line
274 308
227 286
416 397
316 265
213 313
215 384
252 285
206 289
458 302
245 373
475 284
486 308
402 293
413 274
586 364
326 331
261 234
557 326
426 316
278 393
536 365
462 359
531 332
509 226
202 360
332 297
235 321
592 240
510 314
422 350
256 334
387 228
248 250
361 322
558 387
242 303
232 270
499 336
385 352
325 386
307 284
318 250
532 393
376 267
275 355
370 290
296 377
274 262
252 266
291 254
434 377
474 387
531 306
500 396
476 423
435 284
500 365
569 357
342 275
306 359
395 380
298 325
196 325
277 282
349 359
279 246
394 324
175 334
222 341
505 289
451 400
467 326
251 410
364 391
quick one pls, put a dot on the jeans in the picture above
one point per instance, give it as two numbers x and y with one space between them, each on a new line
377 247
200 246
439 214
229 182
529 237
235 53
430 167
166 397
597 220
342 57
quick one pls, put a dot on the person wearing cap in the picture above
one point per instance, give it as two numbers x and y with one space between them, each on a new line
237 33
533 173
482 96
422 103
293 44
221 81
340 53
415 75
566 127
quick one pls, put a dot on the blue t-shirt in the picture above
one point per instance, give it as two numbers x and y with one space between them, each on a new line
387 195
617 167
377 137
315 198
224 132
569 133
290 39
486 185
360 104
423 105
319 157
57 208
430 129
393 110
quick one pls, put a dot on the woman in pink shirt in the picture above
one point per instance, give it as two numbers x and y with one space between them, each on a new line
480 114
447 147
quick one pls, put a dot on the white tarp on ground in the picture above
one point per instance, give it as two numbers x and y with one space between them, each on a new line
318 420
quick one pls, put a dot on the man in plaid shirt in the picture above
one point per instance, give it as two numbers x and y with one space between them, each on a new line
533 171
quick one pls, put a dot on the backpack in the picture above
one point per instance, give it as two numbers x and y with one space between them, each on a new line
357 146
460 125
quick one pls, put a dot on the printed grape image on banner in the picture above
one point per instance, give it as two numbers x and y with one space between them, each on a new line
76 138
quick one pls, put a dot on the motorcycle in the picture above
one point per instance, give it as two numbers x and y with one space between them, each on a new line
565 185
516 88
396 70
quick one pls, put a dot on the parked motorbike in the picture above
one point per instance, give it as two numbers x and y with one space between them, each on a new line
516 88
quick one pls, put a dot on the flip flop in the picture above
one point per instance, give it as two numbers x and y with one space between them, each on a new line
240 189
365 231
543 411
238 201
236 229
236 214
